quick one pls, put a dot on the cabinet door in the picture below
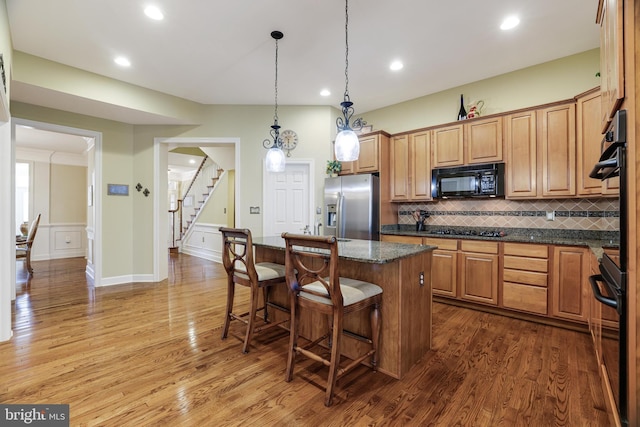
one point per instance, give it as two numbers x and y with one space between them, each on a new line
444 267
479 277
448 146
588 137
570 271
557 140
420 165
611 58
368 160
399 158
483 141
521 163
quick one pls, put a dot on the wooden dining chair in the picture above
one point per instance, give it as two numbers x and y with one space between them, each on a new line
314 282
237 257
23 249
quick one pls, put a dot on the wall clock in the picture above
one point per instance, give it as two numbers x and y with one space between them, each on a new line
289 140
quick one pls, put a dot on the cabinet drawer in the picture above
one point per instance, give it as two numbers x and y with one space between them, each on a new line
479 246
525 277
528 264
526 298
444 244
526 249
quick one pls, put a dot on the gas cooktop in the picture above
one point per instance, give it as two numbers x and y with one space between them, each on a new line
485 233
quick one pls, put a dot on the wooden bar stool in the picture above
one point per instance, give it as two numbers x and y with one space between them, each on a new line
237 257
317 286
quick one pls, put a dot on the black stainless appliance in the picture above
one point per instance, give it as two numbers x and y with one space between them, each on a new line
610 286
486 180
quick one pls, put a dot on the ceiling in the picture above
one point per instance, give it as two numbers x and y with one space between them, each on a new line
216 52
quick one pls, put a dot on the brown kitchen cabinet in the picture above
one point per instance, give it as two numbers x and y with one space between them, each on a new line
521 158
399 176
588 139
557 155
447 146
420 165
479 271
610 18
444 266
570 280
369 158
525 277
483 141
411 240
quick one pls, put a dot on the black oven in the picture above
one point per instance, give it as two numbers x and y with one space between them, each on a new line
610 286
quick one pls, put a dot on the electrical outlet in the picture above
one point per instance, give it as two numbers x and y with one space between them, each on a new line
551 215
318 210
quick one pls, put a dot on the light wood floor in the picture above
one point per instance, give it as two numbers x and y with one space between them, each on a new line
151 354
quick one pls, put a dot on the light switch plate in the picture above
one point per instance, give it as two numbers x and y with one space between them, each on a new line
254 209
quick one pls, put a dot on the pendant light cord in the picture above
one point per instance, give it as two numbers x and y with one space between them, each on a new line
275 117
346 55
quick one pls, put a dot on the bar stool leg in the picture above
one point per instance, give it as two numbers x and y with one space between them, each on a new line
230 294
375 334
335 359
252 319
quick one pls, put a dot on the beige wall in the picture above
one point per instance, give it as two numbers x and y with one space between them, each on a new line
215 211
68 194
6 48
552 81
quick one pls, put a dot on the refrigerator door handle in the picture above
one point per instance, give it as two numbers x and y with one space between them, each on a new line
339 222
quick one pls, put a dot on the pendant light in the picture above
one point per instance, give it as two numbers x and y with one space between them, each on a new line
347 145
275 160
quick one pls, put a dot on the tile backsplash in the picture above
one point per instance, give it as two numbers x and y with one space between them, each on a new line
569 214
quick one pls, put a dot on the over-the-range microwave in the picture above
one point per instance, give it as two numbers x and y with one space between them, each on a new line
483 180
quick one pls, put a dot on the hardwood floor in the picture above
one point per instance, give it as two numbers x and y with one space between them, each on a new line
151 354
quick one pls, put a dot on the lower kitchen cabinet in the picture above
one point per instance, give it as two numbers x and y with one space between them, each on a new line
479 271
570 272
525 277
444 266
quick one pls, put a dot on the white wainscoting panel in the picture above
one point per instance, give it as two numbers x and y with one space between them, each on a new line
204 241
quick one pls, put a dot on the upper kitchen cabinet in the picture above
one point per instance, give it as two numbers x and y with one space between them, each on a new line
521 159
399 176
588 135
557 143
448 146
610 18
420 165
410 158
369 159
483 141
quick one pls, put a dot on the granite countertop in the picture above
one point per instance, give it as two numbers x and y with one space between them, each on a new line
597 241
368 251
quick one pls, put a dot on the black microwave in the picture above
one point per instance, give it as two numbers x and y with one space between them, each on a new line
485 180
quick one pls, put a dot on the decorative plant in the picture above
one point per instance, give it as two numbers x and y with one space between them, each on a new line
333 166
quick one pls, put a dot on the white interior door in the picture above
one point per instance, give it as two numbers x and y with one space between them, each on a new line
288 200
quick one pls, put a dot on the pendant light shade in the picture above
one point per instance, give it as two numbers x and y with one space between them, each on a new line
347 145
275 160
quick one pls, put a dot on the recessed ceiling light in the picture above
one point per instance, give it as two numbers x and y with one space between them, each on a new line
154 13
510 22
325 92
396 65
122 61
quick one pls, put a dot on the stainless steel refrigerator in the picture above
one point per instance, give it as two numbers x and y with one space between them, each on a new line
351 204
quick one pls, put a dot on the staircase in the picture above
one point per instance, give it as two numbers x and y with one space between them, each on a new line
191 202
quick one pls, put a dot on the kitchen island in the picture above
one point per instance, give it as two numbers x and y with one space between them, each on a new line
402 271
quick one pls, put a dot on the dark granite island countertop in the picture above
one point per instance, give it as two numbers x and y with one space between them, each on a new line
368 251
